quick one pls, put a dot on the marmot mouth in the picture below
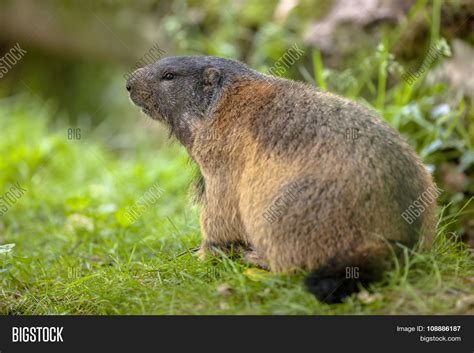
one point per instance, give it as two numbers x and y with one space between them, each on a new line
139 97
140 104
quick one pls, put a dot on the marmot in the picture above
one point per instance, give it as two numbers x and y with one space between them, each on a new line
298 178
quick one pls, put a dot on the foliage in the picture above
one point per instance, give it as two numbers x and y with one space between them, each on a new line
75 255
67 246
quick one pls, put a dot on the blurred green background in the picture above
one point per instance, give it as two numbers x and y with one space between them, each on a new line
79 51
70 134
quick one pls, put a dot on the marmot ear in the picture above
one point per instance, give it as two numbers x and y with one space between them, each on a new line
211 76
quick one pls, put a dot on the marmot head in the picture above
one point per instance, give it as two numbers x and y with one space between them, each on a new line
180 90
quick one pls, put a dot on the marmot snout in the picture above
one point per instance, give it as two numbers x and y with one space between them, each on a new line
298 178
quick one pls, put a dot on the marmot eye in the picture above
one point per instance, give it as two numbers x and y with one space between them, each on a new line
168 76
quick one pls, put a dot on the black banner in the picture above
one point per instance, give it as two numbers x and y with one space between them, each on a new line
247 334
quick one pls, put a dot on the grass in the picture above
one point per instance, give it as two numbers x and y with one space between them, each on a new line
76 252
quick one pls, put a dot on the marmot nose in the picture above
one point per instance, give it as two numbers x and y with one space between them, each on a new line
136 75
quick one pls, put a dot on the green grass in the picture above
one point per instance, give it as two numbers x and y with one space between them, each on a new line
76 252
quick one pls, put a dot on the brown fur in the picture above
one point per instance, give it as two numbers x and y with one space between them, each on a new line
347 206
270 135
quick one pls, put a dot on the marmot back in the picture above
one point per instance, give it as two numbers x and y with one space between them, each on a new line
295 177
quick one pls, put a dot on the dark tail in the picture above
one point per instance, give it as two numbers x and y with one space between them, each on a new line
338 279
